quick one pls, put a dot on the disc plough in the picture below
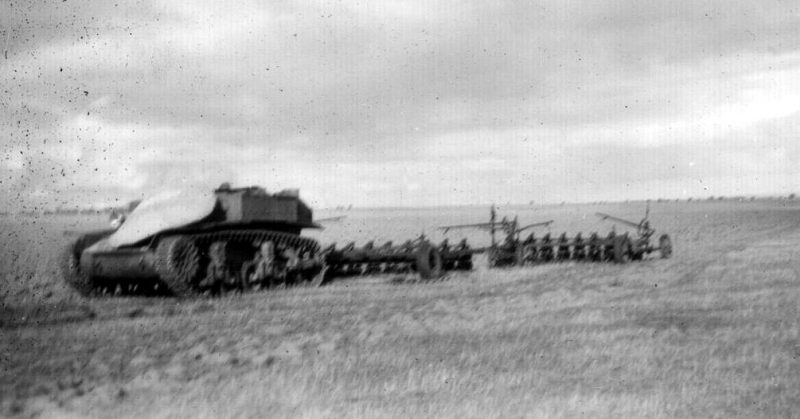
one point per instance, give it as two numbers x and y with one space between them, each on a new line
613 247
418 255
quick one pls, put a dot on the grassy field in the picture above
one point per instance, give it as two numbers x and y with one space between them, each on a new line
712 332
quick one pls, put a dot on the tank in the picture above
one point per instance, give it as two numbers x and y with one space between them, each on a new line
195 242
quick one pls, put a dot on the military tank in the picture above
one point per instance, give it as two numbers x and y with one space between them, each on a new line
193 242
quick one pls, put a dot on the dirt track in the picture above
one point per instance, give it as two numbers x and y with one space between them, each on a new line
714 331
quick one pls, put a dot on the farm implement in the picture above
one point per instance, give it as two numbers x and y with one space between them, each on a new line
514 250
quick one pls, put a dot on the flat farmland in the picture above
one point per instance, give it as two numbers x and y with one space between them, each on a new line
712 332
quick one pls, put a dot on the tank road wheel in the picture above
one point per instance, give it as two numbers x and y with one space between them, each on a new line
70 266
178 265
428 261
665 244
622 249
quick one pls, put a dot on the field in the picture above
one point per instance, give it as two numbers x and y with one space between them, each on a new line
712 332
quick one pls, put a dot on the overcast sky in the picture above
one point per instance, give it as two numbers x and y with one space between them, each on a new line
400 103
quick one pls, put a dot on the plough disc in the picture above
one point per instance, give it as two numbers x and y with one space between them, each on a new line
413 256
665 245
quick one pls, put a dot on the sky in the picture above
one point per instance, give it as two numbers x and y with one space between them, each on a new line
399 103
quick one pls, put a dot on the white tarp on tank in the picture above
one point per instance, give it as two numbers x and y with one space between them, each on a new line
170 209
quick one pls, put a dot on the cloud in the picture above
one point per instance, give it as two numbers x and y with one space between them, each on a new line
400 103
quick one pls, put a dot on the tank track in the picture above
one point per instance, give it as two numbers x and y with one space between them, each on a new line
182 269
306 244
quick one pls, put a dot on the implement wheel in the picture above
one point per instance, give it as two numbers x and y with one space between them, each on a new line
665 244
622 249
428 261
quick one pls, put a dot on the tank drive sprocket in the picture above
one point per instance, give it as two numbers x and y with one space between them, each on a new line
178 264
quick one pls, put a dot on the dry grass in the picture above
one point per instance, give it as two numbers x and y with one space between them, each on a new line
712 332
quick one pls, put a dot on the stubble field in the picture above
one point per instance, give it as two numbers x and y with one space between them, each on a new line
712 332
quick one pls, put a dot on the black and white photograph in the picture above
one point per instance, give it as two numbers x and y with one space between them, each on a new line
399 209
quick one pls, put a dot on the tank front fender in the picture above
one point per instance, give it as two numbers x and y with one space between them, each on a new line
137 263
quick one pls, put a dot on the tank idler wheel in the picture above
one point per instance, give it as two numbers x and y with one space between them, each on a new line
178 265
622 249
428 261
665 244
69 264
